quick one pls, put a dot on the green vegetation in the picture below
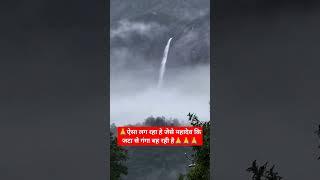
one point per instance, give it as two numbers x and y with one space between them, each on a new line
167 162
147 163
317 132
118 156
201 154
262 172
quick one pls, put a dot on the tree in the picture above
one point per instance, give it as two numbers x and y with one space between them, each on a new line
262 172
317 132
160 121
118 156
200 170
113 128
181 177
148 162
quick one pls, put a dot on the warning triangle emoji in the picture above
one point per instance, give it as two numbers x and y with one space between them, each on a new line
178 141
194 140
122 132
186 140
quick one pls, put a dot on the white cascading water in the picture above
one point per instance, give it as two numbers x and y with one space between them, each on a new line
163 62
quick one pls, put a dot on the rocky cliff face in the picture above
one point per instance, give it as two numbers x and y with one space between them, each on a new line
143 28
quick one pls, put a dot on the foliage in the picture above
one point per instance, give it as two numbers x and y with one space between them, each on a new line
181 177
113 129
262 172
318 134
118 156
157 121
201 156
160 121
148 162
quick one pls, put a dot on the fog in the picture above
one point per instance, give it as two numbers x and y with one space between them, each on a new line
133 98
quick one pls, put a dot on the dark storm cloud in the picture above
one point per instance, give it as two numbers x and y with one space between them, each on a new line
52 90
234 8
267 87
126 28
146 26
138 37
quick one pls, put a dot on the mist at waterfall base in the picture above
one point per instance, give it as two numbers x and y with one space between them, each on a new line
135 93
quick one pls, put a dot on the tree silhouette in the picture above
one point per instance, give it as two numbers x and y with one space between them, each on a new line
262 172
200 170
317 132
118 156
160 121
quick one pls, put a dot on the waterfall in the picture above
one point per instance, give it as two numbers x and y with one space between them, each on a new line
163 62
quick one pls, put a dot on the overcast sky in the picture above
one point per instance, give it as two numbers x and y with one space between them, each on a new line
52 90
267 88
139 33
